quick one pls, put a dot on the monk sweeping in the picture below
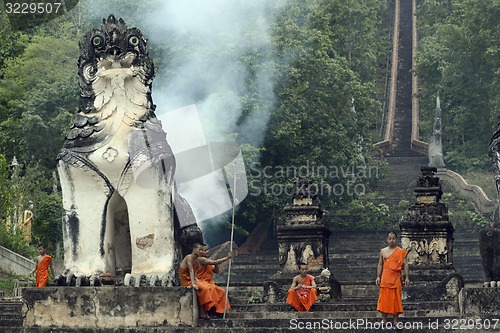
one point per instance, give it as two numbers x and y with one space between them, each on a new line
199 268
302 293
43 262
391 262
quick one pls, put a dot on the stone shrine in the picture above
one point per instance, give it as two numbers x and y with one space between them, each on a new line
427 235
303 236
426 232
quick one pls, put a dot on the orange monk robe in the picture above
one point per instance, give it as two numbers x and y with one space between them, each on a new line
42 271
391 288
302 299
209 294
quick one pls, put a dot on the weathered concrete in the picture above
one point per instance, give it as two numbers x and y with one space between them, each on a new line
109 307
481 302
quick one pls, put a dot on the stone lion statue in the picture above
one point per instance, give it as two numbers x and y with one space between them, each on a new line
116 167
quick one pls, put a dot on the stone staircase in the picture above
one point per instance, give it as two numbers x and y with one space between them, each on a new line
11 318
403 163
353 260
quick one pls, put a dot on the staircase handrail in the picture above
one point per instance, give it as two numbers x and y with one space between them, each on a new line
384 145
416 144
11 262
480 199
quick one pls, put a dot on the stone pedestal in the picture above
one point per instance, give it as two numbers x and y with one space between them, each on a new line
427 235
85 308
426 232
481 303
303 236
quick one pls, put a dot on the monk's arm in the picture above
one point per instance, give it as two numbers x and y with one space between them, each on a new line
36 266
208 261
313 284
380 267
189 263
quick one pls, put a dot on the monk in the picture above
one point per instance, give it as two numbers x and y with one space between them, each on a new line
43 263
392 261
302 293
199 268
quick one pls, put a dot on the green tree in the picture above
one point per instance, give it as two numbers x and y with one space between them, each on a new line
44 110
458 57
313 124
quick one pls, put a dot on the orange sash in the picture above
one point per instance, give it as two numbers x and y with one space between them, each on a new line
209 294
391 289
42 271
302 299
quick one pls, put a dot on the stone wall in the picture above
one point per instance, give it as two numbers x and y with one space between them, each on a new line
109 307
11 262
481 302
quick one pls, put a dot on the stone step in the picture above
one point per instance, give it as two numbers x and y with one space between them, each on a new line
367 324
270 258
10 323
291 326
10 314
363 314
343 306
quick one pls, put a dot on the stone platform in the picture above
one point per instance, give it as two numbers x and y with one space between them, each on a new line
107 308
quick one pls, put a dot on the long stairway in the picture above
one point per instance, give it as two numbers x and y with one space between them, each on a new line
403 163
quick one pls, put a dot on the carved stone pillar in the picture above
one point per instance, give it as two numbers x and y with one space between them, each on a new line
426 232
303 236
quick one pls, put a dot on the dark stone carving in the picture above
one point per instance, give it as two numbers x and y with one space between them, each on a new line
489 238
489 246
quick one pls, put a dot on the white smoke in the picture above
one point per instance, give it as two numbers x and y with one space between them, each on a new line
212 49
205 50
208 43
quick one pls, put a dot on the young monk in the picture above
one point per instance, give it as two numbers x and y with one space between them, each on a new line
198 268
302 293
43 262
392 260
